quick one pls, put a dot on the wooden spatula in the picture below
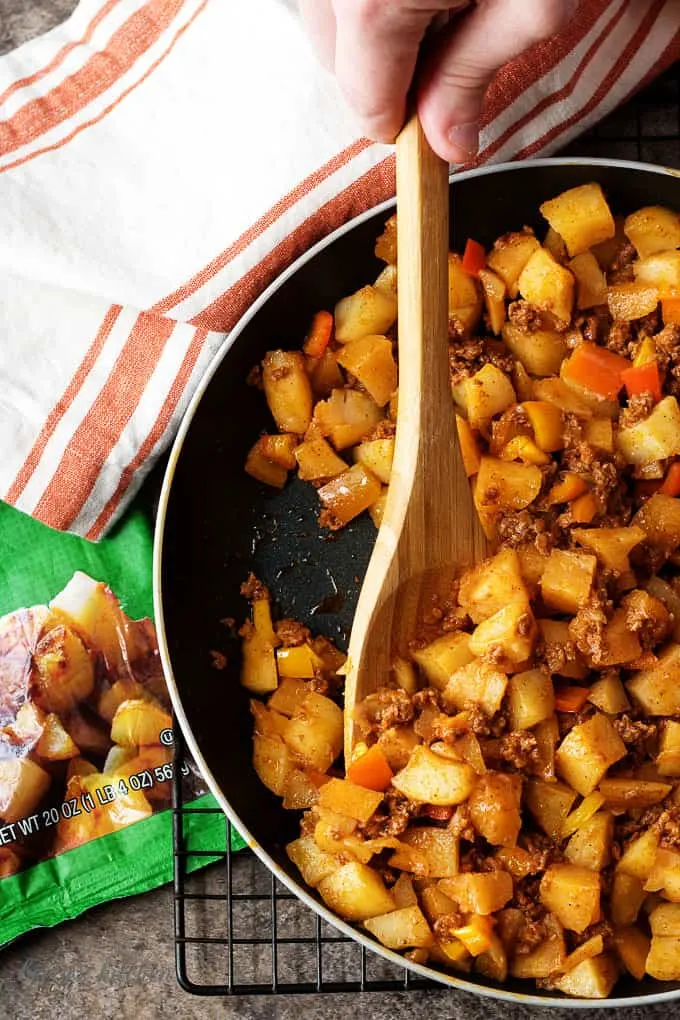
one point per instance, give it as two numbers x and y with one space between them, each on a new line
430 526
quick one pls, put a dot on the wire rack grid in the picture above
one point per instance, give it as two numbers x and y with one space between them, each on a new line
237 930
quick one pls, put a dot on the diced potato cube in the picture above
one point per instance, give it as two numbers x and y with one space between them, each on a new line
541 352
568 661
590 846
581 217
510 255
465 299
479 893
667 594
665 919
494 298
592 979
370 359
439 848
403 892
548 285
586 951
298 661
138 723
478 682
505 485
628 301
317 460
661 270
626 898
487 393
611 545
591 285
599 433
549 804
531 698
347 416
659 518
258 666
443 657
655 437
495 808
376 455
587 751
288 390
632 946
401 929
639 856
532 562
63 673
663 961
665 875
55 744
492 584
396 743
546 421
349 494
272 762
656 689
619 644
368 311
315 732
653 229
541 962
313 864
324 373
386 245
572 894
280 449
347 798
609 695
263 469
567 580
429 779
23 784
356 892
511 630
626 794
668 758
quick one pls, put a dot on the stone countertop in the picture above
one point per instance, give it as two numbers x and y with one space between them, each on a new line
117 960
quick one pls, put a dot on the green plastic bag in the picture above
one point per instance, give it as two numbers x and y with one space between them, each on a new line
41 885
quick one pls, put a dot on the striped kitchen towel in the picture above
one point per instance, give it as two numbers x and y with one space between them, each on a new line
161 161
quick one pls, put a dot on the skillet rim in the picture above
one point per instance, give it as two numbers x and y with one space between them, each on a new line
297 888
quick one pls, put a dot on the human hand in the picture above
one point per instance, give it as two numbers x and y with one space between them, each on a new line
373 47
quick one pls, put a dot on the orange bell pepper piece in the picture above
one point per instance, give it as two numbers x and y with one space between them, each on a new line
570 487
584 508
643 379
476 935
371 770
319 334
571 699
474 257
671 483
596 369
469 450
670 311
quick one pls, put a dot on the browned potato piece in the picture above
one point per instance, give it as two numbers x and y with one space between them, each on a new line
531 698
492 584
386 245
592 979
659 518
549 804
264 470
442 657
138 723
654 438
504 485
438 851
356 892
656 689
628 301
258 668
495 808
368 311
548 285
23 784
567 580
370 359
590 846
632 946
609 695
612 546
348 494
63 671
572 894
541 962
465 299
280 449
668 758
487 393
494 298
506 638
663 961
567 660
653 229
623 794
314 733
430 779
479 893
317 460
313 864
619 644
478 682
55 744
288 390
639 856
541 352
346 798
401 929
581 217
396 743
661 270
346 417
376 455
509 256
591 285
626 898
587 751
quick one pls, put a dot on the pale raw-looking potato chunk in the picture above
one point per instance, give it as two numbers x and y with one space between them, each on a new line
465 299
591 284
662 271
487 393
591 979
531 698
656 689
509 256
346 798
572 894
492 584
401 929
655 437
368 311
546 284
549 804
288 390
567 580
581 216
478 682
590 846
376 455
653 229
23 784
495 808
430 779
349 494
370 359
587 751
510 631
346 417
663 961
313 864
479 893
541 352
442 657
317 460
659 518
356 892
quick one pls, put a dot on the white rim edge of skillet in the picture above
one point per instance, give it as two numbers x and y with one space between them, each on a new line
450 980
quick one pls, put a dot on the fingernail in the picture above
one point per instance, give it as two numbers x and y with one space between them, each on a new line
464 139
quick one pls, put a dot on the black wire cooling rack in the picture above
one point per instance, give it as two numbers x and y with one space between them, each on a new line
237 930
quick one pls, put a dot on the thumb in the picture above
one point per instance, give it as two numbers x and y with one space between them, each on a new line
455 80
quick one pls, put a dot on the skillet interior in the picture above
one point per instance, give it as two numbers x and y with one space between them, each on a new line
219 523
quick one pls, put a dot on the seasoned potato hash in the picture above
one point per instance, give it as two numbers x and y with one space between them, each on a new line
513 807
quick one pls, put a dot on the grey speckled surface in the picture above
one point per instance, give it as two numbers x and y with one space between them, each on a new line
117 961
